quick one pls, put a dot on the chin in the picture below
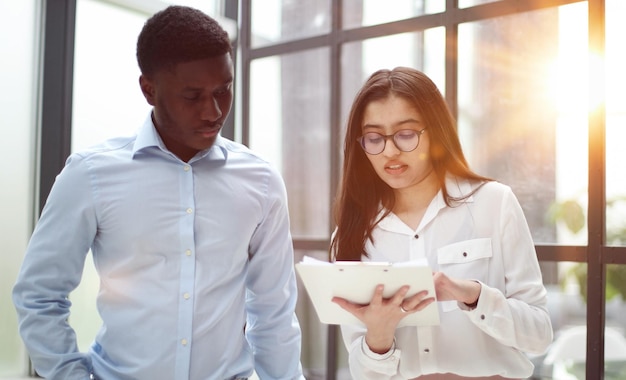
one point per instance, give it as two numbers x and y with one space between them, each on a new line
206 143
397 185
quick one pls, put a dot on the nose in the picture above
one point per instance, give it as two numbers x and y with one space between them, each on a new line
390 150
211 109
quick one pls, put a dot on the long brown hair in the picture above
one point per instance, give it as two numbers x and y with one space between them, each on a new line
362 192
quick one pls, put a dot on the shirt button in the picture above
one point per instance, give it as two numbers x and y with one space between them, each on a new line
464 254
188 252
186 168
186 296
183 342
189 210
416 236
426 350
482 316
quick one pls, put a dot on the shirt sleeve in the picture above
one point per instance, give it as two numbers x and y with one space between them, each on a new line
51 269
272 327
364 363
517 317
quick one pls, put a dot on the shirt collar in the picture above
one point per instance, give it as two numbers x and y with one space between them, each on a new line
457 188
148 137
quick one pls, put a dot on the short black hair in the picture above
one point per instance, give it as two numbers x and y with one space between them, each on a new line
179 34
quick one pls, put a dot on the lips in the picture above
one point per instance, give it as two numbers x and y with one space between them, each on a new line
208 132
395 168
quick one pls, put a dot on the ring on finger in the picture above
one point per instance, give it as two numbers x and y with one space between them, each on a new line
403 309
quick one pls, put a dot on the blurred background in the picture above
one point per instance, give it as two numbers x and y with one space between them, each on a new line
537 87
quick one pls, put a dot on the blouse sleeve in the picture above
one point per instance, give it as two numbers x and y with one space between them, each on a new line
364 363
517 317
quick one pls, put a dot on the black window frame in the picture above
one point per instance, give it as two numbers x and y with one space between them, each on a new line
54 125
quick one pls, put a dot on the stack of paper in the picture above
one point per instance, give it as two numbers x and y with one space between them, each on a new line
356 281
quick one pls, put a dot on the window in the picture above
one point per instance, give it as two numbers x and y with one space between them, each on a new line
535 108
519 78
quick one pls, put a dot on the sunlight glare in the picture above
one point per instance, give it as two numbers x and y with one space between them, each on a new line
596 97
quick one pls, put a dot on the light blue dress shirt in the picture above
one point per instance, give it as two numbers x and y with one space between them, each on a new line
195 263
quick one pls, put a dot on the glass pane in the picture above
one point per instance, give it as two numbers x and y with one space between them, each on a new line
615 60
471 3
615 122
523 113
421 50
567 308
106 62
18 38
358 13
289 126
615 329
275 21
210 7
314 333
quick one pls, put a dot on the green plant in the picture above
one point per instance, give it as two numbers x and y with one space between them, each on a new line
572 215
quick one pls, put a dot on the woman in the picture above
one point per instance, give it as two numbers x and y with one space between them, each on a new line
408 193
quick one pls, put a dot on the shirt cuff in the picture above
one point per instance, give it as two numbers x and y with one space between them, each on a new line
373 363
373 355
466 307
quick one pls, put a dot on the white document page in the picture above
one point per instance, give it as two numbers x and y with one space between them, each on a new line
356 281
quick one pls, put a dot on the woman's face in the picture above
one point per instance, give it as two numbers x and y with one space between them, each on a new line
398 169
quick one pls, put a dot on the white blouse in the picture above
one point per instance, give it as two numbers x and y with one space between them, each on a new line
484 238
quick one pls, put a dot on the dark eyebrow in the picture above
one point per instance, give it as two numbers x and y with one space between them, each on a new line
400 123
226 83
191 89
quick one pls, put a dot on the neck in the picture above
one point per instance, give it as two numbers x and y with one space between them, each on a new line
415 199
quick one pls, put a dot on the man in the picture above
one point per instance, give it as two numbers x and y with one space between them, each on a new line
189 233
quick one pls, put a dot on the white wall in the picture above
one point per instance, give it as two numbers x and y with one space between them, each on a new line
17 160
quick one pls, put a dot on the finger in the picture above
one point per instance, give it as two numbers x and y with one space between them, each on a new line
377 298
425 302
420 306
346 305
399 296
414 300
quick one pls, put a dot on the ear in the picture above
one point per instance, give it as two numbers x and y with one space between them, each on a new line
147 88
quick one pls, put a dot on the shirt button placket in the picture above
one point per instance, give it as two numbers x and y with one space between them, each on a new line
187 270
416 247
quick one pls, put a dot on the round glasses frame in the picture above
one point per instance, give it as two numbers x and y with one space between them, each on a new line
403 133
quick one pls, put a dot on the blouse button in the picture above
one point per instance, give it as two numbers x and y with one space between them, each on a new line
426 350
416 236
464 254
482 316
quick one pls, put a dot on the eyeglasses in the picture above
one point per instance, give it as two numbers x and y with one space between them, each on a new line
406 140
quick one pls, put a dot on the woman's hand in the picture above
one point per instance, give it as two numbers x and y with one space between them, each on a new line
452 289
382 315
